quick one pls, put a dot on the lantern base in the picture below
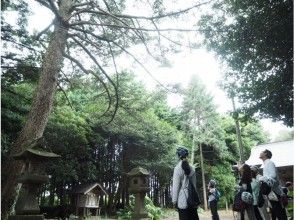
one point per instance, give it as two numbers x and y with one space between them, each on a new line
26 217
141 216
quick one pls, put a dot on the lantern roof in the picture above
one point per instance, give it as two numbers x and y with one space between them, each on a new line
35 153
36 150
138 171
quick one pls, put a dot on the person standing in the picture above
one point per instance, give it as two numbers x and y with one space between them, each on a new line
213 199
270 174
255 179
181 175
255 192
245 184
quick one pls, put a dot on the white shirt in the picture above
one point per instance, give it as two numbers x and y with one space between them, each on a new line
270 172
269 169
180 186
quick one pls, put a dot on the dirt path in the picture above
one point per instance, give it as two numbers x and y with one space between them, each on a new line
223 215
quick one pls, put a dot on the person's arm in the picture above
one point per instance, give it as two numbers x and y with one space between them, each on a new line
176 186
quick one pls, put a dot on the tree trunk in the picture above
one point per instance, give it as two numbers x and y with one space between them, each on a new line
41 107
238 133
203 177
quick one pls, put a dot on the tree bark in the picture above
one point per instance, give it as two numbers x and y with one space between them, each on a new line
41 106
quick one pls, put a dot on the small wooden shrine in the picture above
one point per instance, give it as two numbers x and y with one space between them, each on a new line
86 199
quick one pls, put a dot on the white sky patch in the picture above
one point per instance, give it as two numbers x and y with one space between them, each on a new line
40 18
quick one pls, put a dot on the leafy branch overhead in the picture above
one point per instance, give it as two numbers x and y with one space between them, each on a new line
255 40
97 31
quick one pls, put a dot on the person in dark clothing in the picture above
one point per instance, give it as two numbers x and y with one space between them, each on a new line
245 184
213 199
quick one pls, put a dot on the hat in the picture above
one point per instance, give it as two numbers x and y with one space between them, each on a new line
182 152
212 183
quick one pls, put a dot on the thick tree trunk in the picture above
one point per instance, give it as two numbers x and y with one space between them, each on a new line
40 109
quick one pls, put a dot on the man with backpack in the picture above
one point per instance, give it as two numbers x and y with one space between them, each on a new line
183 195
213 197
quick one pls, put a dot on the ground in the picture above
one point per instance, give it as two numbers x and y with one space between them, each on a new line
224 215
205 215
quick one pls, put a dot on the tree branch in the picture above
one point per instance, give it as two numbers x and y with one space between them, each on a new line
44 31
95 75
113 58
126 51
64 93
132 28
170 14
54 8
105 74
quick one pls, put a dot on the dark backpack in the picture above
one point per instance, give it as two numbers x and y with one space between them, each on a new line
265 189
193 198
238 204
217 195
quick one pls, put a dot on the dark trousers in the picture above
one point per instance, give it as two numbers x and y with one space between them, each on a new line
278 211
213 209
257 213
188 214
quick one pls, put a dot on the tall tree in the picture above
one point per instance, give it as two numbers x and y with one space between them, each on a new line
93 29
202 124
255 39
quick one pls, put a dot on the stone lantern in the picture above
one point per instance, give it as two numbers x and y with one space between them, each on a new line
31 178
139 186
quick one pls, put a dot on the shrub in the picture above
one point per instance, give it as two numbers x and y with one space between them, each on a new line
154 213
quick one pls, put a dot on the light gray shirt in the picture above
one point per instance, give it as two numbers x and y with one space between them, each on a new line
180 185
270 171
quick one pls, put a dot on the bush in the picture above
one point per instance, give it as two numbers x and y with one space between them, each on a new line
154 213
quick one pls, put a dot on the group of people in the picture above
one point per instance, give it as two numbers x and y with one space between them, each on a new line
250 182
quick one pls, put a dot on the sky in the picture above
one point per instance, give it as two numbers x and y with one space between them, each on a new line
183 65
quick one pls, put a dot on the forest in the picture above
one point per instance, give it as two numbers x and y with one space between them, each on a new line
63 84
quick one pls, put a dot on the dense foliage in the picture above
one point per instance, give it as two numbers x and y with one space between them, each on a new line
255 39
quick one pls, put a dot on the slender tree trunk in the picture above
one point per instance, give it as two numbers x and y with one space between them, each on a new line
193 150
238 133
203 177
40 110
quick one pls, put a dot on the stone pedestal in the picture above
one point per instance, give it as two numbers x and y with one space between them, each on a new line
139 186
139 210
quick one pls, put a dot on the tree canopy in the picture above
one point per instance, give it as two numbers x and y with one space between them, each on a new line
255 39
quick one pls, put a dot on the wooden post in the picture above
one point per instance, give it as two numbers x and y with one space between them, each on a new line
203 177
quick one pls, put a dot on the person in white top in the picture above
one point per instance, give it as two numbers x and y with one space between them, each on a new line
181 175
270 174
